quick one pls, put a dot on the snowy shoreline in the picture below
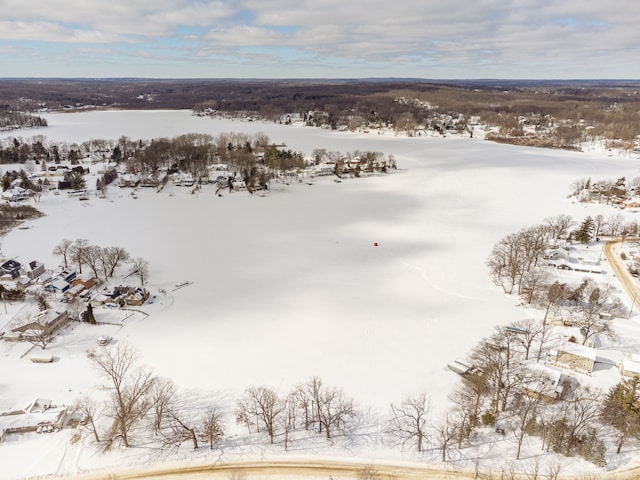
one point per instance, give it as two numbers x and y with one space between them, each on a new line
290 285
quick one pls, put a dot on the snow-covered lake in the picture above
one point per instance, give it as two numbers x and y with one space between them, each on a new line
290 285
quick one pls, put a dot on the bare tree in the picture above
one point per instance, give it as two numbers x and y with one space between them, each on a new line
75 308
314 387
533 281
260 406
554 295
559 226
90 410
534 241
473 390
112 257
577 186
334 410
303 401
76 252
461 415
532 472
614 223
553 470
211 430
162 393
507 262
180 428
526 332
595 303
525 411
140 267
598 223
93 256
37 333
445 434
574 418
409 421
547 340
63 249
289 418
131 385
499 361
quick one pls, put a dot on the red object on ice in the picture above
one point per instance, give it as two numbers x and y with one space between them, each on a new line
375 244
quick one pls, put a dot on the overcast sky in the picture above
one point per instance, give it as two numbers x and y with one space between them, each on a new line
320 38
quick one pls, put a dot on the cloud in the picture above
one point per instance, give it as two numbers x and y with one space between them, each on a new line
511 38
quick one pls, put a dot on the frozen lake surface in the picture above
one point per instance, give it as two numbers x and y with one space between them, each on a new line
290 285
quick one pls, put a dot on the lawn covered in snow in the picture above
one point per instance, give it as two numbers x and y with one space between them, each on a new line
289 284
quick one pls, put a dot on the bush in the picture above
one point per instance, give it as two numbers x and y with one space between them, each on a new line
488 419
623 256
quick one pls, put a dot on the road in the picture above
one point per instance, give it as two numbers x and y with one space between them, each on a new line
292 468
321 469
622 274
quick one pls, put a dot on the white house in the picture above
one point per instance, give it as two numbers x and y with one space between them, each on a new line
630 367
15 194
579 358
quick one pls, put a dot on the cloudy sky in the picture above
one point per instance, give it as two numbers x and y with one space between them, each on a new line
320 38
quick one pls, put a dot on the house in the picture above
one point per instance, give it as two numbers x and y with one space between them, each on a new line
86 280
128 180
55 319
548 384
57 285
61 282
136 297
150 181
183 179
74 290
40 416
26 332
35 269
114 297
118 294
10 268
100 299
67 275
587 268
15 194
44 278
573 356
630 367
22 282
50 320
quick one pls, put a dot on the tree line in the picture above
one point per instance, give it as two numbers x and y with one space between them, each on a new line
504 392
102 261
559 114
15 120
137 398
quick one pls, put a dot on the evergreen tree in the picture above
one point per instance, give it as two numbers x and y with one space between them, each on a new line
87 315
77 181
585 232
621 409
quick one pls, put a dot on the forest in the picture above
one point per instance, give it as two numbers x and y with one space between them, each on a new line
554 114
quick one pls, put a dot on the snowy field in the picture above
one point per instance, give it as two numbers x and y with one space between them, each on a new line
290 285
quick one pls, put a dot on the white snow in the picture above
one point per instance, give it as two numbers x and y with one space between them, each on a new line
290 285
